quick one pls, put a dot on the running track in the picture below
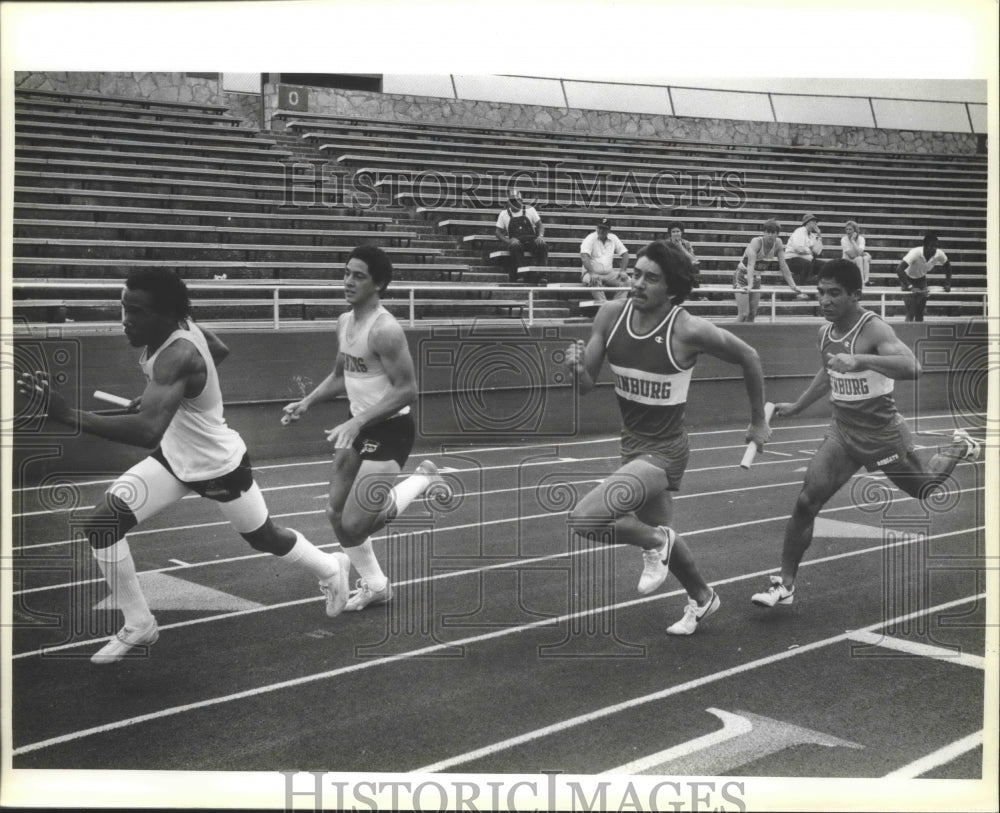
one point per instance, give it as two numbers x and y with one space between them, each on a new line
512 649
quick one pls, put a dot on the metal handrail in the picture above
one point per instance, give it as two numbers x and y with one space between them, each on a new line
531 292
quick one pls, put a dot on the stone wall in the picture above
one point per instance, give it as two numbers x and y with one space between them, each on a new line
206 88
203 88
245 106
523 117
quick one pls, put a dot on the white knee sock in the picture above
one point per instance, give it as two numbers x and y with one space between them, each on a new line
118 568
364 561
407 491
305 553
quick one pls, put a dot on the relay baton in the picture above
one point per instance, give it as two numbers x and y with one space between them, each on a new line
751 451
108 398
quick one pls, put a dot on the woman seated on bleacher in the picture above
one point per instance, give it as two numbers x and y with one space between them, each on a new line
675 236
746 280
853 246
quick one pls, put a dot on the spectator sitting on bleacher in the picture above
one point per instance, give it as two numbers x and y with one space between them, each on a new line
746 280
598 252
675 237
912 273
853 246
803 250
520 228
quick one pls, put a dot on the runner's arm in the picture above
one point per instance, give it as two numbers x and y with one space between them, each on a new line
158 403
586 359
218 348
706 337
892 358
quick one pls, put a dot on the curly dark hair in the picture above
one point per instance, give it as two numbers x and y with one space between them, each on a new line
378 262
677 269
169 293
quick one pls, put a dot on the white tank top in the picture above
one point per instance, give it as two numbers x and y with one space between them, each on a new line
198 444
364 376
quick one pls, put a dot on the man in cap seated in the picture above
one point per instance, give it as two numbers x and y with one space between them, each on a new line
598 251
802 252
521 230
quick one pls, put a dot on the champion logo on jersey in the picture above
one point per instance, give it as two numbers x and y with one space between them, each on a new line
369 447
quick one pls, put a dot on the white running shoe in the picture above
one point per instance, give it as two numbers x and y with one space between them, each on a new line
337 586
655 568
125 640
973 447
693 613
438 491
364 596
777 593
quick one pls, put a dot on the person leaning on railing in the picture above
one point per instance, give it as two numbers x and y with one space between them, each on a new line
746 280
912 272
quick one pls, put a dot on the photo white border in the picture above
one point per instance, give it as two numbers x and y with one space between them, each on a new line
621 41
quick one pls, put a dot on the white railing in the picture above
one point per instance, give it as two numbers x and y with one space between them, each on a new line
772 297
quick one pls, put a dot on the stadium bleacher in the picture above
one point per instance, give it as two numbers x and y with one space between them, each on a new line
103 184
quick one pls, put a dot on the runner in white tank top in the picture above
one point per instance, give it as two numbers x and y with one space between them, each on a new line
198 443
374 369
181 410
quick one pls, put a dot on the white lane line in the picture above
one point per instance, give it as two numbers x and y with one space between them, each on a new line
607 711
518 563
938 653
504 744
292 514
465 527
486 493
325 484
457 451
938 758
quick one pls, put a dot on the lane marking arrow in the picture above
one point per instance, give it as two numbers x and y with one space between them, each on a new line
166 592
744 738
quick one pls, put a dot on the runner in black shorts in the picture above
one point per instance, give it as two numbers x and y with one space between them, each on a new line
375 370
389 440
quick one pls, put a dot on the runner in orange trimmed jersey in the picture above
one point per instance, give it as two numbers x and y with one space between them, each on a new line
862 360
651 344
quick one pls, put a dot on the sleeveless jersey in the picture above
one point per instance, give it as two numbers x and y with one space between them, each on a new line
651 387
862 399
762 254
198 444
364 376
